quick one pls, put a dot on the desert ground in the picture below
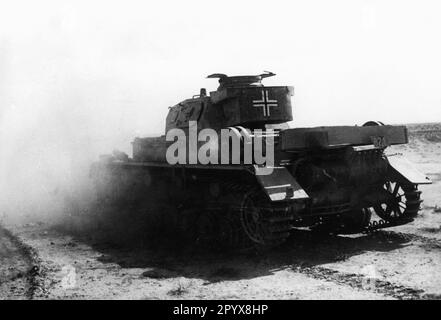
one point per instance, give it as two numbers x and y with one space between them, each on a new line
39 260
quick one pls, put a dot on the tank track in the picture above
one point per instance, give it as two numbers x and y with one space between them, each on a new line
381 224
370 227
244 218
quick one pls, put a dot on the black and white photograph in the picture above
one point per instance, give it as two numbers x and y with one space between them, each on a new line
224 152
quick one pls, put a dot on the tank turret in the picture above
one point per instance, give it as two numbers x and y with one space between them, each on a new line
238 101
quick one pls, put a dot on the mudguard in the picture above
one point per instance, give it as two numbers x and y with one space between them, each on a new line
406 170
279 184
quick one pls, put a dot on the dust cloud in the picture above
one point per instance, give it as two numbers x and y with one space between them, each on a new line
54 122
42 164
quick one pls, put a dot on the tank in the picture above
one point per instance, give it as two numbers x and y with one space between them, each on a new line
334 179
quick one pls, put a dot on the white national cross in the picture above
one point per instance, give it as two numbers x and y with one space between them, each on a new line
265 103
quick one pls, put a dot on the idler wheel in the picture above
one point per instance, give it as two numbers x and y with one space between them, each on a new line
403 202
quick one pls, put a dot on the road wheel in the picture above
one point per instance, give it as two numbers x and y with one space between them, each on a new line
264 224
356 221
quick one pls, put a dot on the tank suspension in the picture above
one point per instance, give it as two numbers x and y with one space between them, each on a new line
245 217
264 223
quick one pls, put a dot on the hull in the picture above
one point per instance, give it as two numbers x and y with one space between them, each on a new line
233 206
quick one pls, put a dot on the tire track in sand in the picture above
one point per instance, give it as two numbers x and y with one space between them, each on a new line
28 266
362 282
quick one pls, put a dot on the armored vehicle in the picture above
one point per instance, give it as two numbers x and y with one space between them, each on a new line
334 179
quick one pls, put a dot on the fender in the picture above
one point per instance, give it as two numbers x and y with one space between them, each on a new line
404 169
279 184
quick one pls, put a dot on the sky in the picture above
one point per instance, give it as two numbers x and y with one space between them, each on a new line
79 78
